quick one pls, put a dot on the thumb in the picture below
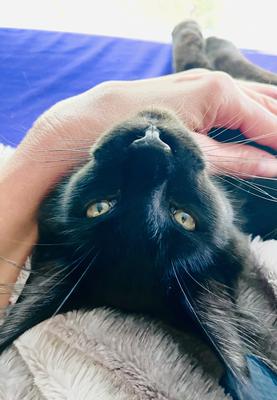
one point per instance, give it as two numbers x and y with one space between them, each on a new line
236 159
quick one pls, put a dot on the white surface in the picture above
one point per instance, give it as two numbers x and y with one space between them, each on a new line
248 23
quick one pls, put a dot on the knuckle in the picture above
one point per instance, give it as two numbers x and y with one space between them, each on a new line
109 93
220 81
109 88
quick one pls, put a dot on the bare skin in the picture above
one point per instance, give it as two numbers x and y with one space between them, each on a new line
61 139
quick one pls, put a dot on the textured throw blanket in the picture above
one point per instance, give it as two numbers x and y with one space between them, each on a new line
107 355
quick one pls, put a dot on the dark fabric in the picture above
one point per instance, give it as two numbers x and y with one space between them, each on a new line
39 68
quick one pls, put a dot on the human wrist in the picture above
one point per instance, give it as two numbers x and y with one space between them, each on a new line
18 217
17 238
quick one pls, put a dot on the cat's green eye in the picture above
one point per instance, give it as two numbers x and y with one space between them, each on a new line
185 220
99 208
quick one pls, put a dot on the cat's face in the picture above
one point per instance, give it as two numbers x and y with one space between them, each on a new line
141 207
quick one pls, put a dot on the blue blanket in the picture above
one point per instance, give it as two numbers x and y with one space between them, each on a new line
39 68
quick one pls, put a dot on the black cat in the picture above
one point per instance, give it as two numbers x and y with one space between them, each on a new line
144 228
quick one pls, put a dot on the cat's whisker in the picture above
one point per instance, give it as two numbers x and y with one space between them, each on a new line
230 159
252 185
79 263
30 271
246 175
245 190
51 278
217 131
192 308
71 290
50 163
255 185
72 161
259 185
231 139
245 179
204 116
238 142
181 112
249 140
65 150
205 288
247 339
228 172
222 130
250 127
84 148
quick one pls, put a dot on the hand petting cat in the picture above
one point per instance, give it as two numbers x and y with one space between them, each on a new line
61 139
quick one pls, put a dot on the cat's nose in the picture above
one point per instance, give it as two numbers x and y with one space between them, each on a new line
151 138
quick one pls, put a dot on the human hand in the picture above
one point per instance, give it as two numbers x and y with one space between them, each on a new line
205 100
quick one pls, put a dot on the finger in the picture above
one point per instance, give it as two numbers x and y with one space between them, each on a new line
266 101
263 88
252 118
240 160
259 123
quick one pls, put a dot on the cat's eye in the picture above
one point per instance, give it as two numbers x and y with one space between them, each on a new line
99 208
185 220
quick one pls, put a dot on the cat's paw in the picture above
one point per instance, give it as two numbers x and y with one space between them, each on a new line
188 46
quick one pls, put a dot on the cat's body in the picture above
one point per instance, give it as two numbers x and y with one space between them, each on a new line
142 227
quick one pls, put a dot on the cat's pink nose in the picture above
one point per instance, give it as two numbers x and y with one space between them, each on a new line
151 138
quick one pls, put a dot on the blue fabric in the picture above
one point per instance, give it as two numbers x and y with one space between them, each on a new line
263 378
39 68
261 385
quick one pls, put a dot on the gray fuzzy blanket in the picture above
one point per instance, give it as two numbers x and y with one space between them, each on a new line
107 355
104 354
